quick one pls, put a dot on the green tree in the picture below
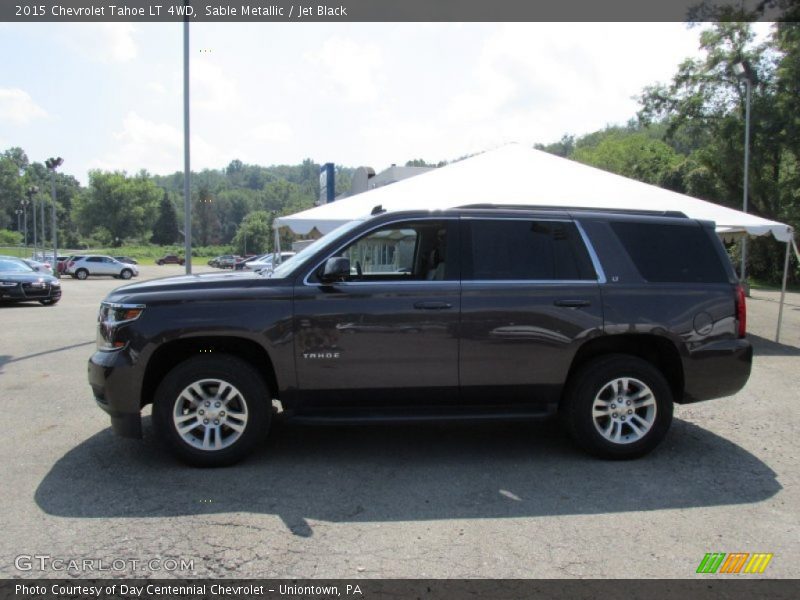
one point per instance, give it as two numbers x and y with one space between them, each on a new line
123 206
13 163
563 148
254 235
633 155
704 104
206 221
165 229
10 238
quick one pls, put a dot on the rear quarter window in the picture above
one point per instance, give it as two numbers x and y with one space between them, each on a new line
671 253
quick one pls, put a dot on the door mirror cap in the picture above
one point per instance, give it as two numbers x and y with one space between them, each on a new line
336 268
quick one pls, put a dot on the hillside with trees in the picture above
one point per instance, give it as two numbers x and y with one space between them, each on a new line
688 135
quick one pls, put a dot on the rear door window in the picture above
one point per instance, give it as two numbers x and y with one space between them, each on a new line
525 250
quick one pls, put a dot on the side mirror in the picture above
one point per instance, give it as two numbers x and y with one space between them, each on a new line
336 268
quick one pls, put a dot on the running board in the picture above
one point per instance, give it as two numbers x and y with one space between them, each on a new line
416 416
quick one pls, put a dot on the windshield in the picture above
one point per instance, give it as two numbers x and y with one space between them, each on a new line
290 264
13 266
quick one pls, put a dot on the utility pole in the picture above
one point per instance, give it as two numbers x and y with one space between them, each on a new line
53 164
43 227
187 166
32 191
24 204
744 72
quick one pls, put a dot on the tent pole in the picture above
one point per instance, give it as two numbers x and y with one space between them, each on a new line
789 244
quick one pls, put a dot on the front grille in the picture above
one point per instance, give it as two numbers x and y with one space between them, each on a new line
36 290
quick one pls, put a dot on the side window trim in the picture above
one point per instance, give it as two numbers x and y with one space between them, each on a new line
445 219
598 267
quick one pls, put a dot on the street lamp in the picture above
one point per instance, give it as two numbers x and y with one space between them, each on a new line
744 72
18 212
53 164
187 165
24 204
32 191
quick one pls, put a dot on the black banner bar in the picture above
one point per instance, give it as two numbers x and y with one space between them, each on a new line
703 588
299 11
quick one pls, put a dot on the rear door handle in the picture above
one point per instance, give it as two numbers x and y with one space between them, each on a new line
432 305
572 303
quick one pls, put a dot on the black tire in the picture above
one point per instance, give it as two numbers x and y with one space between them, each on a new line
593 382
253 395
126 273
49 301
81 274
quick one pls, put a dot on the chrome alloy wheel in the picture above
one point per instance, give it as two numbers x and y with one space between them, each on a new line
210 414
624 410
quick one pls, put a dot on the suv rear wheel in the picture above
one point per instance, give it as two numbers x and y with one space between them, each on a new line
617 407
81 273
211 411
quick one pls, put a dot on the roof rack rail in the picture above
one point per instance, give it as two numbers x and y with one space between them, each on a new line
621 211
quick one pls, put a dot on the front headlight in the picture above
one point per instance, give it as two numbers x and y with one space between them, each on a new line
8 284
55 283
110 318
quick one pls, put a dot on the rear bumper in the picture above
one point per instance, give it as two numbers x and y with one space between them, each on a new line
116 388
716 370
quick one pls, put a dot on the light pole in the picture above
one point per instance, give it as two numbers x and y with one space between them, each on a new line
744 72
32 191
187 169
53 164
44 232
24 204
18 212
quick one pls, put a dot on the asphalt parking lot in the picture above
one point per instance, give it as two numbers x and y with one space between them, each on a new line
436 501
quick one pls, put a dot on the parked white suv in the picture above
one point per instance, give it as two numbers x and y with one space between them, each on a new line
93 264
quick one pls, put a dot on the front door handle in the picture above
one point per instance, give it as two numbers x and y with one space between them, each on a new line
432 305
572 303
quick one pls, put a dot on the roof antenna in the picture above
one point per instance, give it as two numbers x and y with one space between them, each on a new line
378 209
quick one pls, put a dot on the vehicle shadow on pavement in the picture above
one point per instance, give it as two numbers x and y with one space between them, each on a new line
12 359
764 347
404 473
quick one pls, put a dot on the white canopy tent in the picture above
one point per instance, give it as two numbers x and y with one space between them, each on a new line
516 175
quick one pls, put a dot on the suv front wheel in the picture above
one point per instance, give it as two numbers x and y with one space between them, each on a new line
211 411
617 407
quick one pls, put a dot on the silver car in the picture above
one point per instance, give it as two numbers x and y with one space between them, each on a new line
93 264
265 262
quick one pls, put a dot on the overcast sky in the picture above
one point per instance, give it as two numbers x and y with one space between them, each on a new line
109 96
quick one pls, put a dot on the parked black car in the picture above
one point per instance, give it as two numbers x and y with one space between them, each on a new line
20 283
127 260
602 317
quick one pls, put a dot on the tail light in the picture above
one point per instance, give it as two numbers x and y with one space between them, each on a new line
741 311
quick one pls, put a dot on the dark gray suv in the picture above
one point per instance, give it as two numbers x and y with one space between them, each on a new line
605 318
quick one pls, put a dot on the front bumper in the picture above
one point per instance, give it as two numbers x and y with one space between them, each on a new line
715 370
117 390
29 292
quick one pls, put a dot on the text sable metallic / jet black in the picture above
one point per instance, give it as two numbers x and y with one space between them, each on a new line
605 318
